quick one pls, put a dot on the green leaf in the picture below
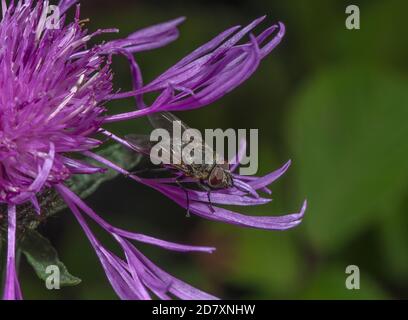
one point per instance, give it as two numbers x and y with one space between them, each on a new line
348 131
40 254
84 185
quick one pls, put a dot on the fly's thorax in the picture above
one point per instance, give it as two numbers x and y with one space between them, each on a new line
199 171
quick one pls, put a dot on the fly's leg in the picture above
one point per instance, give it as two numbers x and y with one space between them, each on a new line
206 188
187 196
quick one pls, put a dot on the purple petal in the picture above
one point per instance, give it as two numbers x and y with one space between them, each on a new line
261 182
40 180
64 5
242 186
130 235
124 285
152 32
80 167
238 158
12 289
129 279
146 39
177 287
216 197
224 215
263 222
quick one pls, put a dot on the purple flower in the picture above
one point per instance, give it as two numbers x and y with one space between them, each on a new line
207 74
54 89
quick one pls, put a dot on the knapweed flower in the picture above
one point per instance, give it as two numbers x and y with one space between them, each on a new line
54 90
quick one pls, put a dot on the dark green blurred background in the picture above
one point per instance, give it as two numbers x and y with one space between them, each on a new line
332 100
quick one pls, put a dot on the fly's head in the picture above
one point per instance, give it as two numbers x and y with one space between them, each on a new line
220 177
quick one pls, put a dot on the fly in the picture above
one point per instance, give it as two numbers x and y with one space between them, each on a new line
211 175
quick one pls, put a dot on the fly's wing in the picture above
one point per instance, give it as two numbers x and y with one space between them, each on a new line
165 120
142 144
211 156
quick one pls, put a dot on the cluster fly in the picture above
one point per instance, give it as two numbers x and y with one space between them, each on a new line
208 175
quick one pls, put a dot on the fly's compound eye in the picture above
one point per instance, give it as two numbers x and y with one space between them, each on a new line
216 179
